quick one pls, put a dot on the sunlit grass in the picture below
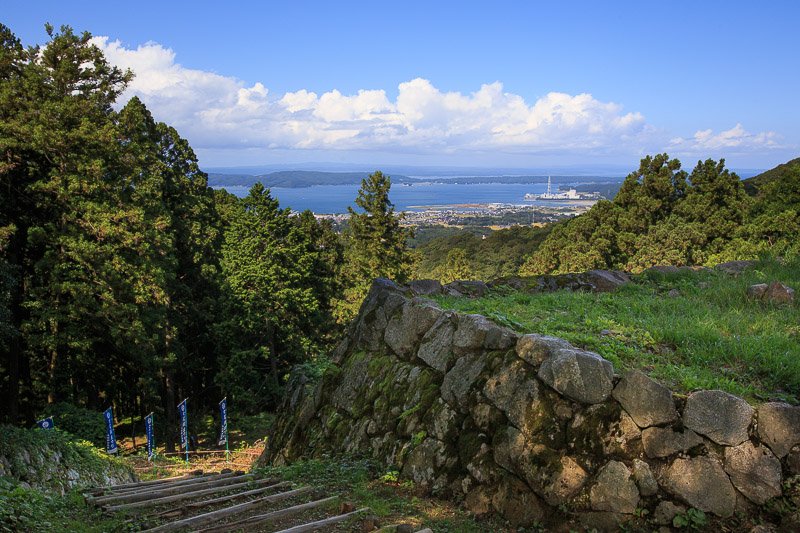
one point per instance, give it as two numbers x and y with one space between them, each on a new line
710 336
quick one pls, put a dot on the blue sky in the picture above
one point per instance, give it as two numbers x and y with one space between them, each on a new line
522 84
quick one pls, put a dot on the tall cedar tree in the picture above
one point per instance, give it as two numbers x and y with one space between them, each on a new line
278 287
376 243
108 239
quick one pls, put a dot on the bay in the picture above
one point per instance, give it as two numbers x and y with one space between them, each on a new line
415 197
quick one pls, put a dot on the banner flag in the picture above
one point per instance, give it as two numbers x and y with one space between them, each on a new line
223 421
111 440
184 425
46 423
148 430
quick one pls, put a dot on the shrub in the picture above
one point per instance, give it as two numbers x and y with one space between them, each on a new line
83 423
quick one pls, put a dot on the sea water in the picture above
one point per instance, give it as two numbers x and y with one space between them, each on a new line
415 197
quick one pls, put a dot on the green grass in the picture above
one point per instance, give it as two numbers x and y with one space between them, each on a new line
711 336
33 510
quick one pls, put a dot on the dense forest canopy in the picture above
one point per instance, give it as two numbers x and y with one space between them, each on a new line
126 280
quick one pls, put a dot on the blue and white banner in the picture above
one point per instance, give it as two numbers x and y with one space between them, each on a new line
223 421
111 440
184 425
46 423
148 431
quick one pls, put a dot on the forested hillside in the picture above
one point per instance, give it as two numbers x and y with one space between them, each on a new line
664 215
126 281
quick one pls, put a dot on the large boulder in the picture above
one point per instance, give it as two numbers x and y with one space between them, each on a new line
702 483
405 329
663 442
514 391
614 489
755 471
722 417
649 403
779 426
580 375
476 332
436 346
517 503
607 280
534 349
473 289
458 381
648 486
425 287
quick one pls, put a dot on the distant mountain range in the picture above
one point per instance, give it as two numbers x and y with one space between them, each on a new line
308 178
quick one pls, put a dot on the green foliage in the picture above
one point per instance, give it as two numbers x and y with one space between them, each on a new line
83 423
467 254
375 244
711 336
693 519
662 215
279 283
31 510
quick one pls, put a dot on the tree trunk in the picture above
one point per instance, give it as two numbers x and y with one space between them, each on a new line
273 358
171 411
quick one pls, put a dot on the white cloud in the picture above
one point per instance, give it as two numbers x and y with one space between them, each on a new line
215 111
735 140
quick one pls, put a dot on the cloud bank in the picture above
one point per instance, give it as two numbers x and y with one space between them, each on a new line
220 112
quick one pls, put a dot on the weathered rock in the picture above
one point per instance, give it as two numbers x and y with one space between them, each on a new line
644 478
405 329
514 391
757 291
425 287
607 280
755 471
486 417
436 347
427 461
458 381
614 490
779 426
663 442
735 267
473 289
514 501
479 500
702 483
720 416
649 403
534 349
582 376
554 477
475 332
778 293
674 293
793 461
666 511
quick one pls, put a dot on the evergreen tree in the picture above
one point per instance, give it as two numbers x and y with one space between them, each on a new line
271 261
376 243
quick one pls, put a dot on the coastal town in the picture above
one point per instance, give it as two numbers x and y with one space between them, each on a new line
494 215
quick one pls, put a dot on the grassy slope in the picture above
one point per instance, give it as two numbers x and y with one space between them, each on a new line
711 336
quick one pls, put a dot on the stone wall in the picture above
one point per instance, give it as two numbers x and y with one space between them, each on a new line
531 427
54 462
